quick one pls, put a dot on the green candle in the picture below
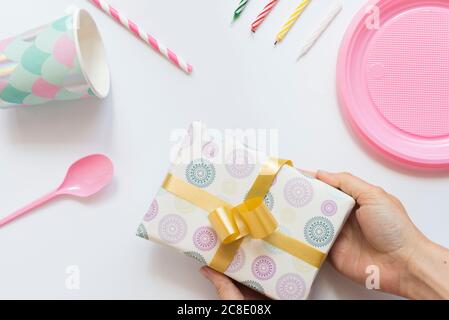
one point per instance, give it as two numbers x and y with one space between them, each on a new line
240 9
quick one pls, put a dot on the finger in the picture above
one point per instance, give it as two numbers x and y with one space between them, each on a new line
346 182
226 289
308 172
250 294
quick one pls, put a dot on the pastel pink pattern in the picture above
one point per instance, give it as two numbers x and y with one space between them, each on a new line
3 85
5 43
65 51
152 211
329 208
263 268
291 287
43 89
237 262
210 149
205 238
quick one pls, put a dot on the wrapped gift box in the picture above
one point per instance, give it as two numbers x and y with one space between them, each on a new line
305 209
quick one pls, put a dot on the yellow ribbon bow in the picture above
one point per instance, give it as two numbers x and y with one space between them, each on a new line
251 218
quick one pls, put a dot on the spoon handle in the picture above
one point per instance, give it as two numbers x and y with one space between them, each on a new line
28 208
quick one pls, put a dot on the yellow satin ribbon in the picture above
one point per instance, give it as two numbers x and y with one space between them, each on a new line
251 218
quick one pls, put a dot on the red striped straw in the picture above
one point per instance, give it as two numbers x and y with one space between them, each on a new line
261 17
138 32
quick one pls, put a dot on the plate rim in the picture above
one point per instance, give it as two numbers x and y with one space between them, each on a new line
346 48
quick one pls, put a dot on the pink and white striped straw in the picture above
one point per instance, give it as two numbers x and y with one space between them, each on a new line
261 17
138 32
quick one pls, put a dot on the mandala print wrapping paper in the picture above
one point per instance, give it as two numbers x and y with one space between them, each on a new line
305 208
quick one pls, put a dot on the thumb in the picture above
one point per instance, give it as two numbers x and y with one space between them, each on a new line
226 289
346 182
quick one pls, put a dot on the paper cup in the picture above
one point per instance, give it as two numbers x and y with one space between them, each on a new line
64 60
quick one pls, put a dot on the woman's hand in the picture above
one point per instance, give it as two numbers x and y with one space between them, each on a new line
378 233
227 289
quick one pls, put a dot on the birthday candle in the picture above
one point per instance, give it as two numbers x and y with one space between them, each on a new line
291 20
324 24
240 9
261 17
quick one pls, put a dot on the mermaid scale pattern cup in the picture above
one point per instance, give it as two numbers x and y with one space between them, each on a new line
64 60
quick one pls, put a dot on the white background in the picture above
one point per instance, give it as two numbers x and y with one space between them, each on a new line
239 80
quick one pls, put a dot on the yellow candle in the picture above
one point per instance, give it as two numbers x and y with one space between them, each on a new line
291 20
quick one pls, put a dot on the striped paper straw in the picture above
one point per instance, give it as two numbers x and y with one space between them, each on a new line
291 20
261 17
240 8
138 32
324 24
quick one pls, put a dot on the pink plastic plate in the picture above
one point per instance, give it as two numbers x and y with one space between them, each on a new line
393 81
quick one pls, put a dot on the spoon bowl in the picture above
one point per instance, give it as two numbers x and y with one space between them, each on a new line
87 176
84 178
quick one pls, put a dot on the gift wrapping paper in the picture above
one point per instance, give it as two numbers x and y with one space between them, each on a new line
305 208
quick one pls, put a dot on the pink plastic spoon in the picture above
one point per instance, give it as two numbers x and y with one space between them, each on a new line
84 178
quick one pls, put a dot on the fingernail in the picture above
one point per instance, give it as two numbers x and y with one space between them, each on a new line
309 173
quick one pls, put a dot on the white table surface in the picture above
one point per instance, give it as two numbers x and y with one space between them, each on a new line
239 80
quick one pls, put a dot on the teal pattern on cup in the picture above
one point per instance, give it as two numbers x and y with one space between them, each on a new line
54 62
